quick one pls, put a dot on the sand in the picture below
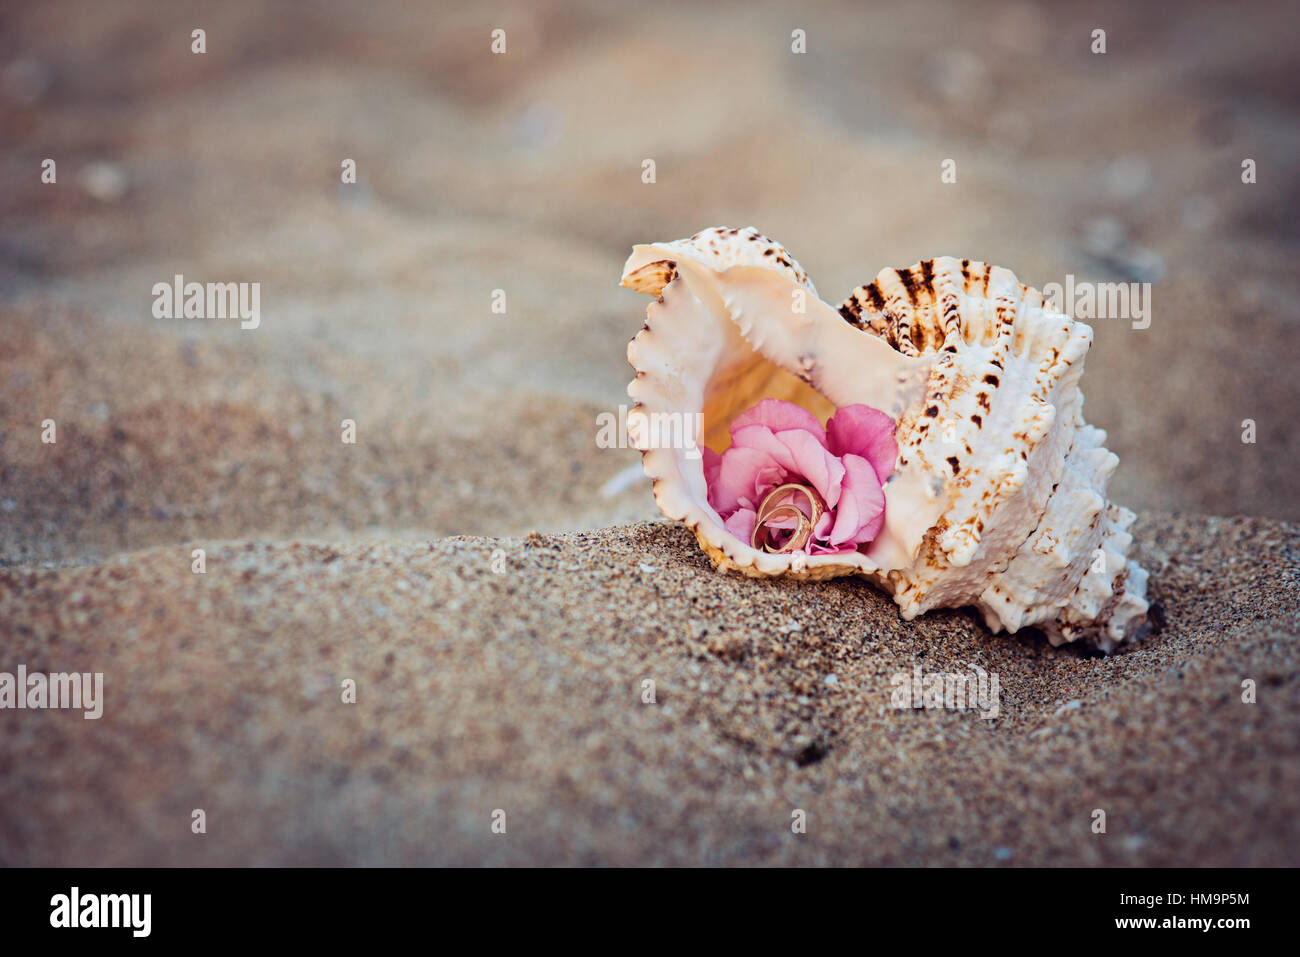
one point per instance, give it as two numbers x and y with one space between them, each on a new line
522 690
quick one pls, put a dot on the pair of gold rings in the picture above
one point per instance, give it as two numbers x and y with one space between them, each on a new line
772 507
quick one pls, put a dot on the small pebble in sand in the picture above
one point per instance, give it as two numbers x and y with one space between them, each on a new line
622 481
1127 177
538 126
1103 236
104 181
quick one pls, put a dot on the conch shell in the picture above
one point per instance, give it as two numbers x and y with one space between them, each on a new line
997 499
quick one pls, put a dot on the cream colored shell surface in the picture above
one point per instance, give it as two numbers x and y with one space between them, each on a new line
998 497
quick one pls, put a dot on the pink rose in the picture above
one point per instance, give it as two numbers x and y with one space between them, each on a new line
777 443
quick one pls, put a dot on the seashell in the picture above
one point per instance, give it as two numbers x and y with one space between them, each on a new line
997 499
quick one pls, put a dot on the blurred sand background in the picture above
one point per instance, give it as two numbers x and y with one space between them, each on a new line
522 172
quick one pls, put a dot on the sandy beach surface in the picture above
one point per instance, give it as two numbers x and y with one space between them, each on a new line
522 690
499 604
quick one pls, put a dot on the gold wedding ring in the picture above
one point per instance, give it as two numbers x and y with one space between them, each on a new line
804 525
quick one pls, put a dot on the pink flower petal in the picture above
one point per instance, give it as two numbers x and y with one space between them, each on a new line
800 454
741 524
862 430
817 466
861 512
763 439
817 548
779 415
736 478
777 442
765 480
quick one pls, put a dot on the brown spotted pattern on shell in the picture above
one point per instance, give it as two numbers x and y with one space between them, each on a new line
998 497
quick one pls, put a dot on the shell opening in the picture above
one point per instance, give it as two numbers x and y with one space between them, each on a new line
742 380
